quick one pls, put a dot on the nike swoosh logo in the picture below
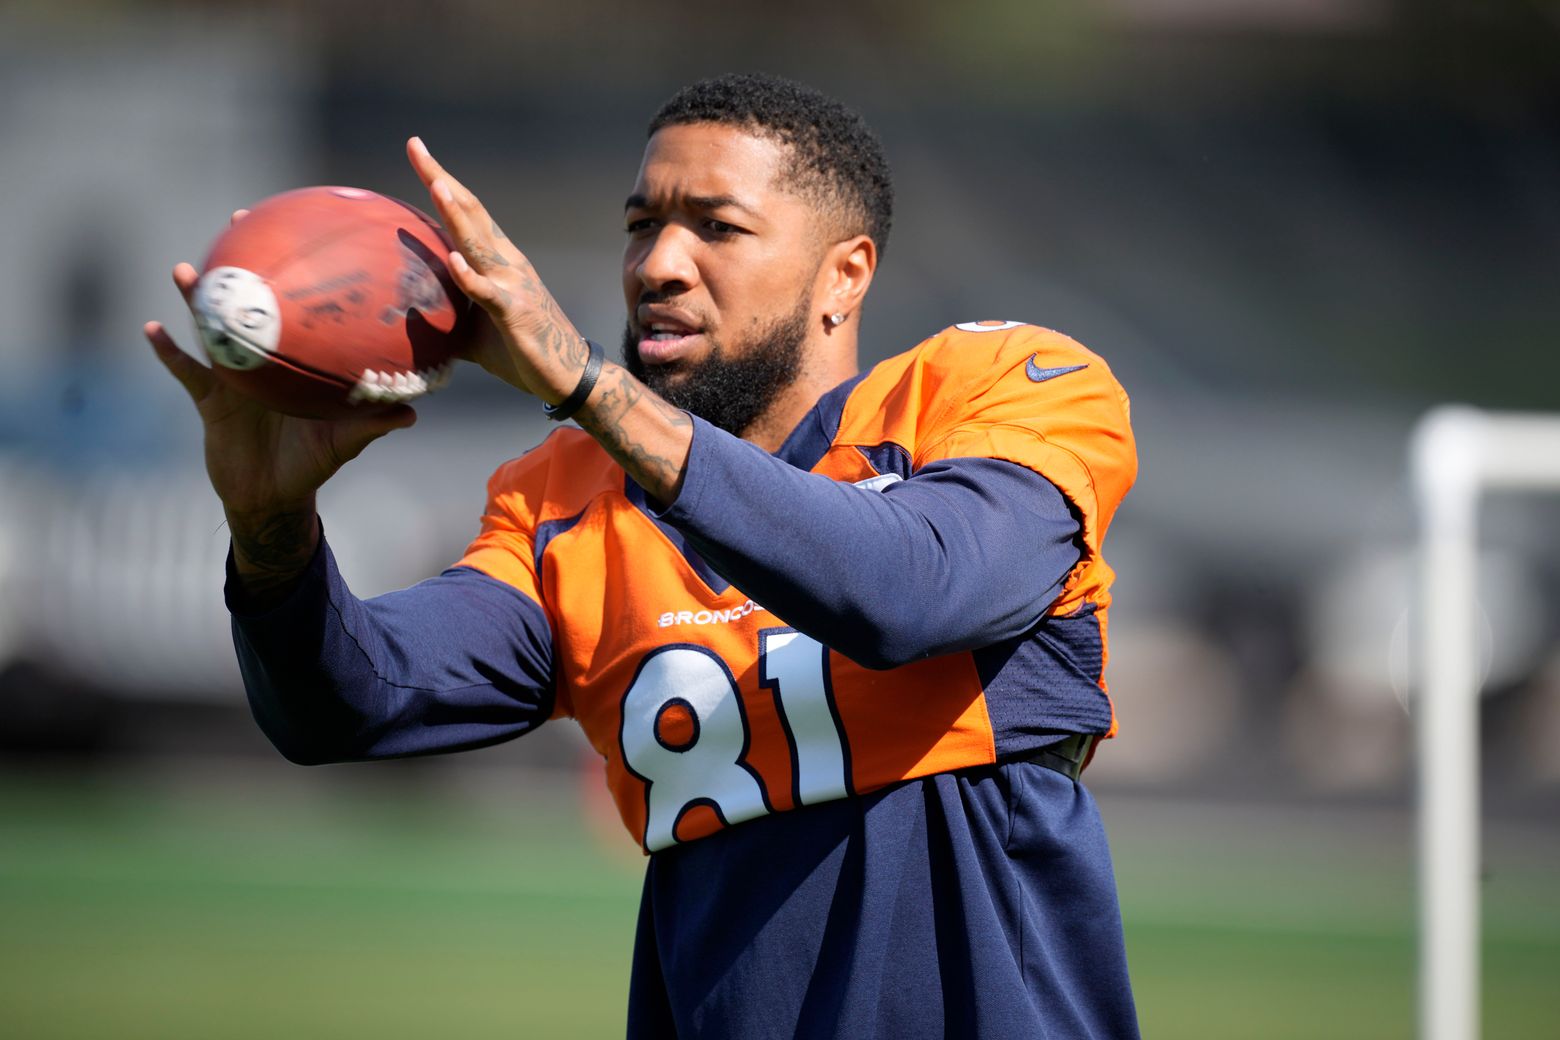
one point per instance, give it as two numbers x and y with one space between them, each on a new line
1040 375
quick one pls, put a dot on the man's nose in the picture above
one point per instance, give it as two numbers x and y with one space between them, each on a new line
668 262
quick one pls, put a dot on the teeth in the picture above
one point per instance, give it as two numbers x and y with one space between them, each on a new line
395 387
439 375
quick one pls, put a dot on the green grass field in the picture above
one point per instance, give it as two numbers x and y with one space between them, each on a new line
208 904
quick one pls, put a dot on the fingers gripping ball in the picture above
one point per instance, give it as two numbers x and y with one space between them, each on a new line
332 302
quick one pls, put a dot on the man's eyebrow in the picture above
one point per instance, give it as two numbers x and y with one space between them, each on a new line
703 202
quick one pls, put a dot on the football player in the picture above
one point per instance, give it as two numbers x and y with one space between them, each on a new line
838 637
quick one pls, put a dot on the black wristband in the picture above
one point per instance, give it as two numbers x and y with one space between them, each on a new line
566 408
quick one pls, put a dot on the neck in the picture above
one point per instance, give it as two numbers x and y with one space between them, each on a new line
825 369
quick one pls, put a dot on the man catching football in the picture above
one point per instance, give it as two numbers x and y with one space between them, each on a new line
838 637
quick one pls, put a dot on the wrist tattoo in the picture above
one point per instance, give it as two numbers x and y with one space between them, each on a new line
271 554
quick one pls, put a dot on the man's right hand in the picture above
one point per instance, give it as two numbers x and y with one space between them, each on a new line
266 466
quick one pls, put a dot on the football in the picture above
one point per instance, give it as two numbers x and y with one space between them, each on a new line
329 302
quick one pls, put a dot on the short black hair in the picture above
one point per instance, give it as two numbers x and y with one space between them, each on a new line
835 156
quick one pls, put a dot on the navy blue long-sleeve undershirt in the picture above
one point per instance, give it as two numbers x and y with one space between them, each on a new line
963 553
457 661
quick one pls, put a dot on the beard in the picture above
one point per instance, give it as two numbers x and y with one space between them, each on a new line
737 380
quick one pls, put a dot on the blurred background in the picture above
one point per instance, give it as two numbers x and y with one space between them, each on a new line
1291 226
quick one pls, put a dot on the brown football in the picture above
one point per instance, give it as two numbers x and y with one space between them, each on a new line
330 302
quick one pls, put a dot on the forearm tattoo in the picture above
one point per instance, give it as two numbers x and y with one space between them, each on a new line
617 394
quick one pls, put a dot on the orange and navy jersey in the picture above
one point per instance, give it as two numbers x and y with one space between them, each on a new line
911 586
795 628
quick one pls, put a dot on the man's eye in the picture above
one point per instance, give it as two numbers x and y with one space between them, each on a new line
634 227
720 227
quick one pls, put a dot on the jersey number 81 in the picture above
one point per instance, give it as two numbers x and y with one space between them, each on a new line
685 732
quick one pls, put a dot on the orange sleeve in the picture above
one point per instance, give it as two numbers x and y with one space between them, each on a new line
1036 398
505 547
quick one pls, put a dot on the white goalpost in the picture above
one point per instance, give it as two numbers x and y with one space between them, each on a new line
1458 455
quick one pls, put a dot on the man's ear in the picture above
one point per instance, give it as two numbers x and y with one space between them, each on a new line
848 267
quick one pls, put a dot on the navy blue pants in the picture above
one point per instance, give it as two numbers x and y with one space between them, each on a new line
976 904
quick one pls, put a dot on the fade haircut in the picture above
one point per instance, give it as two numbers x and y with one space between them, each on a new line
836 161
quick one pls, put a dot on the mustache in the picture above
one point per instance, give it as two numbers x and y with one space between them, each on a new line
651 297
